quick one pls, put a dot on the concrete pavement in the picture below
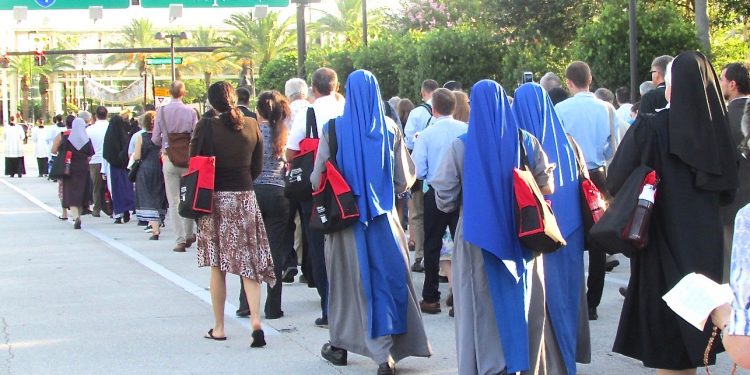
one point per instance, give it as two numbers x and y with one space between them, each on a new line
107 300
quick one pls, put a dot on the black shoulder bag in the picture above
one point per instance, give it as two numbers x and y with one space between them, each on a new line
297 178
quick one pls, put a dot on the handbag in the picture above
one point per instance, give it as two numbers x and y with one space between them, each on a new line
334 207
535 221
297 178
133 171
197 185
593 204
57 171
178 149
107 207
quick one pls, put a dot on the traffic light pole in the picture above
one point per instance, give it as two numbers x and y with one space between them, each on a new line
171 55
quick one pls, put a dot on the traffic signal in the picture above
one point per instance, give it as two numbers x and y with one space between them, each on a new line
39 58
4 62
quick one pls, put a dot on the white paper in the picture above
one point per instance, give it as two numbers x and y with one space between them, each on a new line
695 296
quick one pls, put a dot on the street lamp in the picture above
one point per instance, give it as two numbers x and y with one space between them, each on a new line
182 36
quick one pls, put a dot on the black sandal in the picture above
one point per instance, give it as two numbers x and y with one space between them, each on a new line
63 218
210 336
259 339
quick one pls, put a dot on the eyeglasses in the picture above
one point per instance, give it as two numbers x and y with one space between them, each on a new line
653 71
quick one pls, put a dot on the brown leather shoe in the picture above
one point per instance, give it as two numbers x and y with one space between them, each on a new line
180 248
190 241
429 307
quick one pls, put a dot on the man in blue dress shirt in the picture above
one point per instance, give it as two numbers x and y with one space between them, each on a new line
429 148
587 120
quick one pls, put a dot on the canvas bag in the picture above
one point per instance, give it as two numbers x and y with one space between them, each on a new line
535 221
593 205
297 178
334 207
197 185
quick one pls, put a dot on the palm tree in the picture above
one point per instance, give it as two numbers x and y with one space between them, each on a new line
205 63
346 21
138 34
256 42
26 69
55 64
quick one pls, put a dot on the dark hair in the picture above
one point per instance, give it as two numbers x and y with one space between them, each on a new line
101 113
57 118
579 73
443 101
660 63
149 107
453 86
622 94
557 94
274 107
69 121
738 73
223 99
636 107
404 108
324 80
430 85
243 95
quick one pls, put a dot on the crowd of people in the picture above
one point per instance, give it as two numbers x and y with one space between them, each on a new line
436 178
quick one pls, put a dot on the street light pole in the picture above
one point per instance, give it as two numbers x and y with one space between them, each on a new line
171 55
364 23
633 50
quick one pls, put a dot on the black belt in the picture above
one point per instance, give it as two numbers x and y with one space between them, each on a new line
600 169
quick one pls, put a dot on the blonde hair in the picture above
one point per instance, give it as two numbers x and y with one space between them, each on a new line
461 113
148 121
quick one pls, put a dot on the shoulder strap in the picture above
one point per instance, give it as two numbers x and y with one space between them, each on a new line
428 107
311 125
522 150
333 145
582 169
614 140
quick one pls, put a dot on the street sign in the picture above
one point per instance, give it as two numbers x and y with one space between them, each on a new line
163 61
161 91
63 4
213 3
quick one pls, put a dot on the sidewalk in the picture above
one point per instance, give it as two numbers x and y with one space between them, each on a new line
107 300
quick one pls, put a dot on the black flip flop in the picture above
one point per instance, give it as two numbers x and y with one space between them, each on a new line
62 218
210 336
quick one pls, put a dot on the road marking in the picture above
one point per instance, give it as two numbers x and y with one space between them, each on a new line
188 286
19 212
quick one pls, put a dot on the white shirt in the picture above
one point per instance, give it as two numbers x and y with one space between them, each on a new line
52 132
13 141
326 108
623 113
418 120
298 106
39 137
96 132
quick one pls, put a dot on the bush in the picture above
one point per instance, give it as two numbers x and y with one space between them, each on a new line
382 57
338 59
276 72
538 58
603 43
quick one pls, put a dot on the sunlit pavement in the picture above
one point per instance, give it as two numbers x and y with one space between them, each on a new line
107 300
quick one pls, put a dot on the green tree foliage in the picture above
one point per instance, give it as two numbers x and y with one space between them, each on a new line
138 34
27 71
208 64
382 57
277 72
538 58
603 43
338 59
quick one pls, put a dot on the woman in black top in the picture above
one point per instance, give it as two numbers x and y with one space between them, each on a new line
233 237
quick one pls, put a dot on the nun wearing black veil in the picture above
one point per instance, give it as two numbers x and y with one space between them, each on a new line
689 145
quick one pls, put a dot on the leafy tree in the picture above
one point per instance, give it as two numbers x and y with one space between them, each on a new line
138 34
381 57
55 64
338 59
277 72
255 42
207 64
27 71
603 43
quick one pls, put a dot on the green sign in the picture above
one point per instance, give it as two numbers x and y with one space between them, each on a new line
63 4
163 61
211 3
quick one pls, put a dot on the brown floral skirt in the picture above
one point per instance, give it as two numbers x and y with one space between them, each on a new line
234 239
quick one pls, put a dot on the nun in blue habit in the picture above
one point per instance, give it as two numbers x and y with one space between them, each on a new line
489 263
564 295
372 306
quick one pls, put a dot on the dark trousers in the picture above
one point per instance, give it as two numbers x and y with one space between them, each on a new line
290 254
435 223
275 208
597 259
42 163
316 256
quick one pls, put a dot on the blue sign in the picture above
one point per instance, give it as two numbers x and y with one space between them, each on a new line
45 3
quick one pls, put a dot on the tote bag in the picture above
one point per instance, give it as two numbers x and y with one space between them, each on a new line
297 178
197 185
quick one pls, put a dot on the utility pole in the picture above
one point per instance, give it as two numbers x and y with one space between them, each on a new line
633 51
301 39
364 23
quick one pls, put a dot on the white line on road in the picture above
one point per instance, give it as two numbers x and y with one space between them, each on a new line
162 271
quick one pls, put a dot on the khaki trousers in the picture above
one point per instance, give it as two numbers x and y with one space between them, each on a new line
182 227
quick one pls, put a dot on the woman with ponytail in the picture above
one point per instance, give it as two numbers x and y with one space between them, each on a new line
273 112
233 238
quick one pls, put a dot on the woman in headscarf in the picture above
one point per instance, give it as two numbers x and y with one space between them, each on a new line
115 152
373 307
563 269
689 145
491 270
76 146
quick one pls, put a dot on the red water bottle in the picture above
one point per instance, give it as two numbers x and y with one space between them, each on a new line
637 229
68 157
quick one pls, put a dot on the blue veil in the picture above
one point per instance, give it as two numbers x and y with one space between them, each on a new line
489 222
563 269
365 159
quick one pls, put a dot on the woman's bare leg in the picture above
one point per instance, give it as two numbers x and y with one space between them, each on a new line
252 292
218 298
